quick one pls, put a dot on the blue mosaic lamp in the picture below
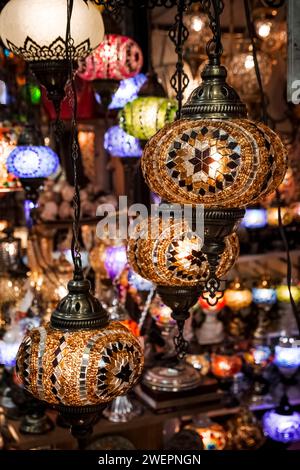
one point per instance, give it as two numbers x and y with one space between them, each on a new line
282 424
120 144
32 161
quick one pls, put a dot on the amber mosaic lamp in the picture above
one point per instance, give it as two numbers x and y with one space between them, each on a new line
215 157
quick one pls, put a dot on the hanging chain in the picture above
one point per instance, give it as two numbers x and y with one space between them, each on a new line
178 35
72 96
213 9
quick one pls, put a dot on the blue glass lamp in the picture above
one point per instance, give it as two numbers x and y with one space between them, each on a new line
282 424
32 161
287 356
120 144
255 218
127 91
264 296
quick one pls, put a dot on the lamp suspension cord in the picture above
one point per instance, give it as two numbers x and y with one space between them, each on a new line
75 245
265 119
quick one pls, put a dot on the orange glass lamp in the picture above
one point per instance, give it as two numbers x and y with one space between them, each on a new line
286 216
237 296
213 435
208 308
225 366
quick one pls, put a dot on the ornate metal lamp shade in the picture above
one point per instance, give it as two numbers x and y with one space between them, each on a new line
32 161
144 116
120 144
171 254
79 362
38 35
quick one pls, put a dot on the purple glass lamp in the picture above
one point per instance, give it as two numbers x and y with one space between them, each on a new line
120 144
115 260
127 91
282 424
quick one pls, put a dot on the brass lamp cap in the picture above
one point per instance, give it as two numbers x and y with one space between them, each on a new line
214 98
79 309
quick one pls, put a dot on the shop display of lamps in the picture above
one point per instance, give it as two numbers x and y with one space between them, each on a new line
37 34
237 296
282 424
116 58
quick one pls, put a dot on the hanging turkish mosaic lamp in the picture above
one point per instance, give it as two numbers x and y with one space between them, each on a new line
214 156
115 59
37 34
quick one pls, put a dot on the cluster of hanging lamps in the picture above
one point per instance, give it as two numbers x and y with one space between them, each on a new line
80 360
215 157
37 34
115 59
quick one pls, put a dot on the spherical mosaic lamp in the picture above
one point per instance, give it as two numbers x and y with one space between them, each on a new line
38 35
282 424
120 144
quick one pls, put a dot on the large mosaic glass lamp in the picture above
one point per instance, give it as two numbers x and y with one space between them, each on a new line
213 156
37 34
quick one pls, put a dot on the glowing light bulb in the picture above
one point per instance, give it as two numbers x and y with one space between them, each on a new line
196 24
249 62
264 29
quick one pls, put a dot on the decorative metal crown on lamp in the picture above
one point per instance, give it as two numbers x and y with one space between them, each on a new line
120 144
38 35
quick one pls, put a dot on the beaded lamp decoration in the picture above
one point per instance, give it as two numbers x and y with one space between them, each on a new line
116 58
37 34
80 361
